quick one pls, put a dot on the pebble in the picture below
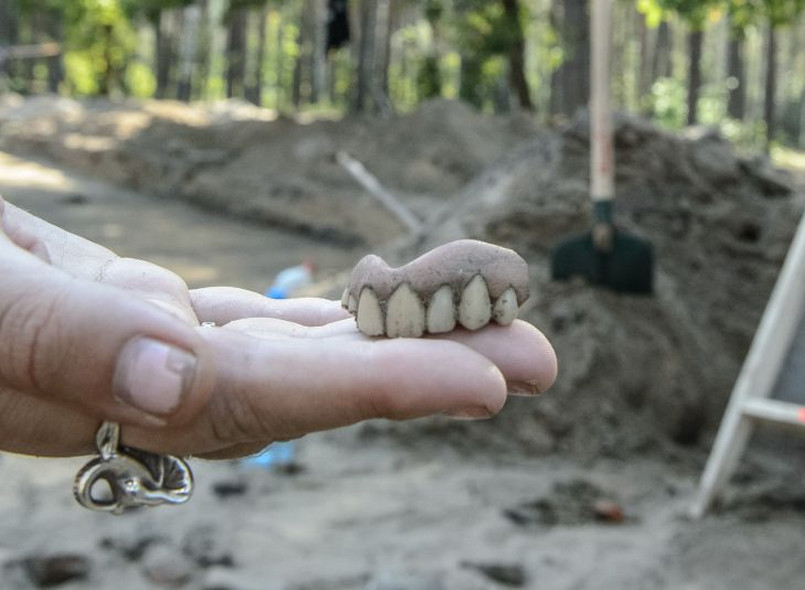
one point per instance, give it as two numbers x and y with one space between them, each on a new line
47 571
166 565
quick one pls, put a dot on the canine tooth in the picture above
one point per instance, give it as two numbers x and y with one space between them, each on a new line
505 309
370 316
345 298
352 305
405 313
475 308
441 312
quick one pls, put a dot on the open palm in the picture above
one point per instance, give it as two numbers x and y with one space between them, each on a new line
272 370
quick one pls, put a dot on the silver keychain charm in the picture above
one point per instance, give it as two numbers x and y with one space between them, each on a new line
133 477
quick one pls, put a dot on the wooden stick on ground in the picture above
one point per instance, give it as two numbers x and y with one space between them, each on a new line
370 182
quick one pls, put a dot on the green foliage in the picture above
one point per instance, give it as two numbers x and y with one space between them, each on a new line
434 10
694 12
429 79
483 33
668 102
150 9
140 80
100 41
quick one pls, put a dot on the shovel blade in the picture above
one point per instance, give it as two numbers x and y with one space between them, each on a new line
627 268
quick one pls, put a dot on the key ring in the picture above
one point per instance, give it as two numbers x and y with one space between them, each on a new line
133 477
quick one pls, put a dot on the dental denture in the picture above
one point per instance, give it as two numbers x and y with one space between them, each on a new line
466 282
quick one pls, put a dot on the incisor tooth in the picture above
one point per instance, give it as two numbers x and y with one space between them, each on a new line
475 308
345 298
505 309
441 312
370 316
352 305
405 314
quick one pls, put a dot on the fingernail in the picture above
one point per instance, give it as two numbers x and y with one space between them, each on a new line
524 388
472 413
153 376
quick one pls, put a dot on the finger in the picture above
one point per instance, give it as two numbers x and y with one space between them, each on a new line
226 304
97 348
84 259
268 390
53 244
31 425
522 353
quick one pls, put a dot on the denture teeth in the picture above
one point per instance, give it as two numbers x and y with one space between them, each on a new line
441 311
370 316
505 309
475 308
405 314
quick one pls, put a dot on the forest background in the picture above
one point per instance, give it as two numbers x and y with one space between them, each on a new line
734 64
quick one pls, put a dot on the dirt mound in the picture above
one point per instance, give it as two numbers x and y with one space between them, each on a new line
634 371
243 160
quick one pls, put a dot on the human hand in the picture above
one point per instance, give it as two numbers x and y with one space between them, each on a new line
87 336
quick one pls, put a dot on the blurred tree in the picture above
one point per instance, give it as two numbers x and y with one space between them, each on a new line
161 15
779 13
575 68
694 13
487 31
429 77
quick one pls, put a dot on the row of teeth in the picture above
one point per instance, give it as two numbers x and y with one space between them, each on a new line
405 314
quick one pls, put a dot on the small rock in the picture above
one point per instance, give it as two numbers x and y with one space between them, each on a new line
166 565
608 511
204 546
227 489
508 574
75 199
130 549
52 570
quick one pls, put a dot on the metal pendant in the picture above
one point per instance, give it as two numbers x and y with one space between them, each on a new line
133 478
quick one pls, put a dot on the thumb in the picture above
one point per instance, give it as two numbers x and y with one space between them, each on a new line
96 348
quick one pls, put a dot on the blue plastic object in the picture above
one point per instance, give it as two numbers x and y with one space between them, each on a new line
279 454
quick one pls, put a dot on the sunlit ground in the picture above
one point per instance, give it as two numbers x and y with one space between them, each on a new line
789 158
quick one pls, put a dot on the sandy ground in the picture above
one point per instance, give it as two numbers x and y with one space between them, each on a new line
372 512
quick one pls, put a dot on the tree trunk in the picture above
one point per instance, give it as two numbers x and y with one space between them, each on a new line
255 92
9 34
54 27
555 98
163 52
644 80
771 83
661 66
319 58
576 68
368 20
801 139
471 75
187 31
695 42
736 78
279 65
296 90
205 40
105 81
517 77
236 52
388 31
